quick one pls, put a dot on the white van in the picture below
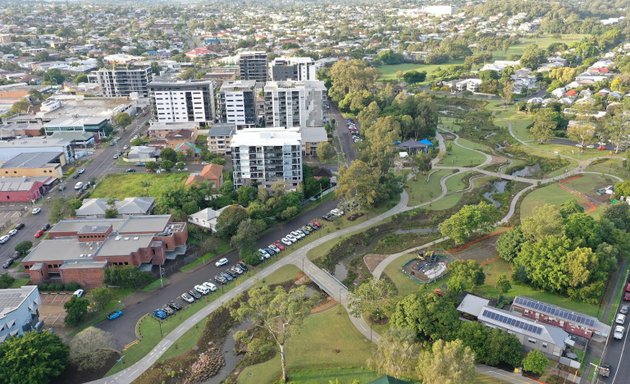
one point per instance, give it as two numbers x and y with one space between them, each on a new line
78 185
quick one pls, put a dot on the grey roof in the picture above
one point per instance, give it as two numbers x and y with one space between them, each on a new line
65 122
124 245
31 160
223 129
130 224
128 206
74 264
61 249
12 298
13 184
314 135
518 324
73 135
238 85
472 304
94 229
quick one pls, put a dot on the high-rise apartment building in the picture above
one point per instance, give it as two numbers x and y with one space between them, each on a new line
182 101
294 103
237 104
265 156
120 81
292 68
253 66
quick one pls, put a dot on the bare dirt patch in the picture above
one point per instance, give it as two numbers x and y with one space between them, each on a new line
371 260
327 304
482 250
53 313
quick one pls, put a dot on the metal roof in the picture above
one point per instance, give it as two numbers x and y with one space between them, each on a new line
574 317
12 298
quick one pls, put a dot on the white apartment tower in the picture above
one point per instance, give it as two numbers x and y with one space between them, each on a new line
265 156
182 101
292 68
237 104
294 103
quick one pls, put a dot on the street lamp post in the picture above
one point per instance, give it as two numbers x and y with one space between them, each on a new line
161 333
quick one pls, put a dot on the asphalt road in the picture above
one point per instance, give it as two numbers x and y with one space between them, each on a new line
101 164
344 134
617 353
141 303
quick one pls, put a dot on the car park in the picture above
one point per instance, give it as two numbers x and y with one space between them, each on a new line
114 315
78 293
12 232
4 239
20 226
618 333
36 210
194 294
39 233
210 286
620 319
174 305
221 262
201 289
160 314
187 298
624 309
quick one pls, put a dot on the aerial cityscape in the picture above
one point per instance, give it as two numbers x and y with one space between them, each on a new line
315 191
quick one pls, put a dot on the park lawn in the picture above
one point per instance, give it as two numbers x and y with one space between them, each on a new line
550 194
543 42
155 285
449 201
462 157
478 146
499 267
388 72
327 340
222 247
420 190
120 186
344 375
612 167
282 275
458 182
589 183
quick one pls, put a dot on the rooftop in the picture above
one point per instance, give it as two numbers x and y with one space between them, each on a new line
75 121
12 298
277 136
522 325
222 129
238 85
159 126
12 184
131 224
31 160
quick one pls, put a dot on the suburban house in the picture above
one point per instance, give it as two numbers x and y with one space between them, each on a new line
206 218
130 206
212 173
471 85
532 334
80 250
138 154
19 311
219 138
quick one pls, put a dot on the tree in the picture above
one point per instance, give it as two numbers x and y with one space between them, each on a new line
155 68
166 165
395 354
23 247
111 213
464 275
619 216
491 346
373 296
380 151
358 182
76 309
6 281
54 76
428 315
544 220
503 283
127 277
413 77
278 313
81 78
535 362
570 207
508 92
532 57
470 219
36 357
544 262
122 120
622 188
168 154
351 76
325 151
59 210
582 133
91 348
180 165
446 363
229 220
246 235
509 244
422 162
616 128
100 297
544 124
151 166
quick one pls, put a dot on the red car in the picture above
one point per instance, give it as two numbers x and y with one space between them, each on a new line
315 223
39 233
628 287
279 245
626 296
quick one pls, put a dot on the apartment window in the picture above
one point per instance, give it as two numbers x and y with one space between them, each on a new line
544 345
531 341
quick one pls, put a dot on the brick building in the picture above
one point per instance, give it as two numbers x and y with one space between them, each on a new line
80 250
24 189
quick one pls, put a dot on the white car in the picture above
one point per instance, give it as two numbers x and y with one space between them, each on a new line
618 334
221 262
264 253
202 289
78 293
80 171
290 237
187 298
273 248
210 286
4 239
337 212
286 241
115 156
36 210
12 232
297 235
621 319
78 185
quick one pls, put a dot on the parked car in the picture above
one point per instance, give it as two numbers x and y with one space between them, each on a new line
187 298
274 248
7 264
264 253
36 210
624 309
230 273
201 289
39 233
627 287
46 227
160 314
114 315
12 232
270 251
279 245
130 170
337 212
210 286
75 176
169 311
4 239
305 231
115 156
242 266
78 293
291 237
237 270
315 224
80 171
618 333
221 262
286 241
620 319
227 276
78 185
16 255
194 294
174 305
20 226
626 296
219 279
297 234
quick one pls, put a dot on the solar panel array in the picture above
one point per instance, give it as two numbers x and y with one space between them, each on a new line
512 322
550 310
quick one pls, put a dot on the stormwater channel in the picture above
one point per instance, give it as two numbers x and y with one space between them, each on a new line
500 185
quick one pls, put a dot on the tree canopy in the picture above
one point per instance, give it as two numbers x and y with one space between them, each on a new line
36 357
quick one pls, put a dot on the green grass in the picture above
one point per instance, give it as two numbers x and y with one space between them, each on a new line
550 194
118 294
186 342
420 190
388 72
403 283
327 340
222 247
124 185
589 183
282 275
471 144
155 285
542 42
344 375
611 166
462 157
20 282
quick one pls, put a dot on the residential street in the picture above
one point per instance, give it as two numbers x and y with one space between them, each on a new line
342 132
